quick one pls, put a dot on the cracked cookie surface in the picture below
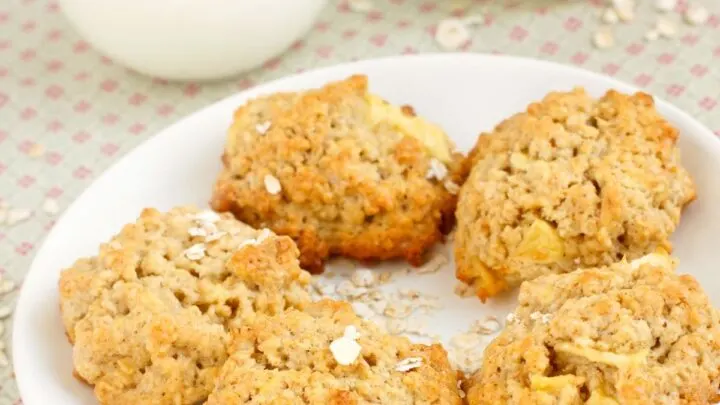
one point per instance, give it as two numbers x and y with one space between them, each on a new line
631 333
571 182
342 172
286 359
149 315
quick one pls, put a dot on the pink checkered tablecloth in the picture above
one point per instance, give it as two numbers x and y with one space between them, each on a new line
67 113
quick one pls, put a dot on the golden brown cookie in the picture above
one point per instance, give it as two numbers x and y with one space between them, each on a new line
289 359
633 333
149 316
342 172
571 182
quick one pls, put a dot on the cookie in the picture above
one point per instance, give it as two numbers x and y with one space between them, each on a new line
327 355
149 315
633 333
571 182
342 172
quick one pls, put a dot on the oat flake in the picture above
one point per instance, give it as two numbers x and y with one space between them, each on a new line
36 150
610 16
539 316
262 128
345 349
650 36
489 326
666 28
433 265
17 215
272 184
437 170
362 310
214 236
474 19
625 9
408 364
665 5
465 340
207 216
603 39
363 278
361 6
451 186
6 286
50 206
451 34
195 252
5 311
696 15
197 231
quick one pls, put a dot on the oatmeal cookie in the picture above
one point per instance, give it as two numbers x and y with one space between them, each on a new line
633 333
287 359
342 172
571 182
149 316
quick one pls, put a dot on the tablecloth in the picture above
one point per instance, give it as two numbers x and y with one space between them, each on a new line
67 112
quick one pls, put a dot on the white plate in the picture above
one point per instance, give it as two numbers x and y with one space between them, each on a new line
464 93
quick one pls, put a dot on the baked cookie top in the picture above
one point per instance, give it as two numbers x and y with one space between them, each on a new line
631 333
149 316
571 182
342 172
327 355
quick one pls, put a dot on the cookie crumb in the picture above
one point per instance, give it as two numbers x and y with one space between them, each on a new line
272 184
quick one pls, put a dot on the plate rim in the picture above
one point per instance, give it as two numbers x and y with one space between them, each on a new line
23 375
